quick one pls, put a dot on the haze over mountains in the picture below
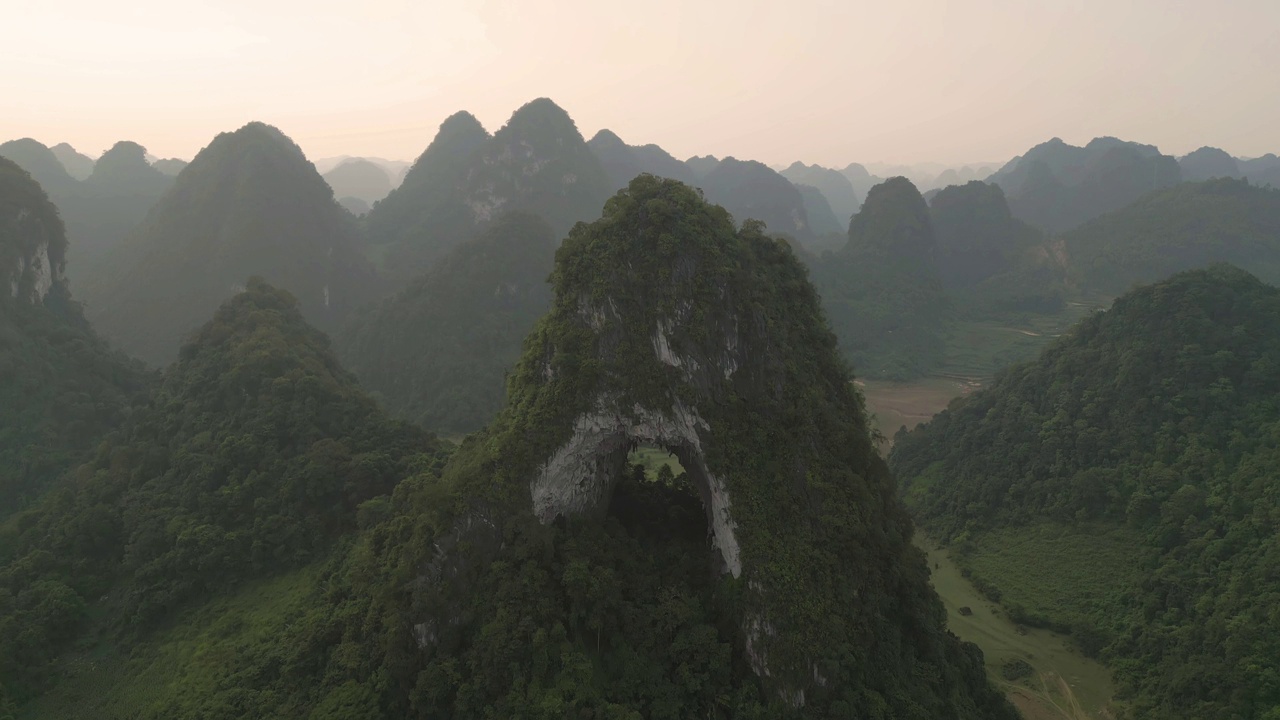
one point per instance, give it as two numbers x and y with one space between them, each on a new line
273 497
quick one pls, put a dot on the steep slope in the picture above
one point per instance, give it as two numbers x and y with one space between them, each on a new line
1208 163
359 178
250 459
77 164
1056 186
544 574
537 162
1154 423
1188 226
438 352
822 220
750 190
882 291
623 162
61 389
835 187
249 204
992 260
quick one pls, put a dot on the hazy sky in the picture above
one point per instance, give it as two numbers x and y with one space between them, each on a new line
819 81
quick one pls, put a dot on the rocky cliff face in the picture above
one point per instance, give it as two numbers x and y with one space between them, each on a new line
32 240
671 327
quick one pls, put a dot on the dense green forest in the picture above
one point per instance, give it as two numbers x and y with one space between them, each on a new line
438 352
249 204
405 589
616 617
1158 420
1184 227
252 457
61 389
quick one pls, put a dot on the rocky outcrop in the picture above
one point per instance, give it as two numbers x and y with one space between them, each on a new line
671 327
32 239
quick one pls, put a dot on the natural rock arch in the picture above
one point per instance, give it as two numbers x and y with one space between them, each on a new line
672 327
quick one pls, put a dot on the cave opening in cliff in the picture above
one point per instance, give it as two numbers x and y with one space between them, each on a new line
660 498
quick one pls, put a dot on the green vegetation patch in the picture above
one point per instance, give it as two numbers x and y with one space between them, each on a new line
193 665
1067 578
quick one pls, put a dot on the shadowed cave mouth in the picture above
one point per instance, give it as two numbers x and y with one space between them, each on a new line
660 504
646 584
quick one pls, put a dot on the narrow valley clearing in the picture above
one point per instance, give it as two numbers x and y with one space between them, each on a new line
1064 684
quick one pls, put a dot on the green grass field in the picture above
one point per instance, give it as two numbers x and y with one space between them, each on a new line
977 350
1064 684
1055 574
653 458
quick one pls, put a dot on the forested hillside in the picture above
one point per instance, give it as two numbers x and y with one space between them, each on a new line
250 459
438 352
463 596
61 389
1184 227
249 204
1156 421
1056 186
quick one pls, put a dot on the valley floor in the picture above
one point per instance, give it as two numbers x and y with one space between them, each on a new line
1064 685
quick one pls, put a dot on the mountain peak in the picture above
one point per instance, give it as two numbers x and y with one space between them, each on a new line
605 138
38 160
126 161
248 204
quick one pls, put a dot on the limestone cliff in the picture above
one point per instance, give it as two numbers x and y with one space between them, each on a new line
33 243
670 327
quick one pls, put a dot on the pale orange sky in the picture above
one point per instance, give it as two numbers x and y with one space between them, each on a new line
813 80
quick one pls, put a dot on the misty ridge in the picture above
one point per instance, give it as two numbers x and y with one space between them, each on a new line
541 425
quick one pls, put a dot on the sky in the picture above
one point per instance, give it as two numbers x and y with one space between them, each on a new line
821 81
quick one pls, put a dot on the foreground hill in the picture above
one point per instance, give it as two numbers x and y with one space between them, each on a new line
669 326
249 204
61 389
438 352
538 575
250 459
538 162
1056 186
1132 468
1184 227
